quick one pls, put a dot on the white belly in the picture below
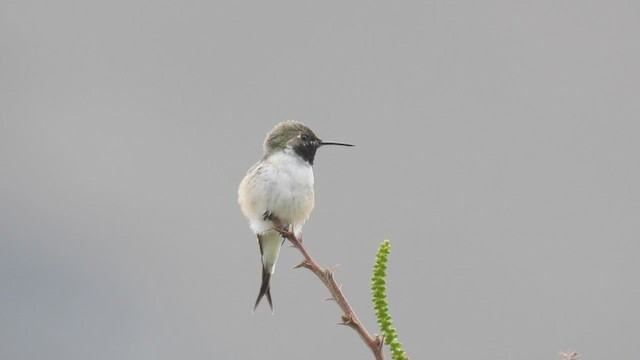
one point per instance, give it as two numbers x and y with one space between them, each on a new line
281 185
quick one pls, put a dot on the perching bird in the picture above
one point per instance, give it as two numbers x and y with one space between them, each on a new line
277 192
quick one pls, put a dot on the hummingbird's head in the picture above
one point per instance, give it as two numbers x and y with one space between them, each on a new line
297 137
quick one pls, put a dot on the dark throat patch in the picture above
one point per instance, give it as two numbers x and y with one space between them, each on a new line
307 151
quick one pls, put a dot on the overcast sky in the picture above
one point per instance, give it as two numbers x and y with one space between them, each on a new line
496 147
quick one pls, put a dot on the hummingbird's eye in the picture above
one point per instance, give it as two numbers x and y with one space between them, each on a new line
304 137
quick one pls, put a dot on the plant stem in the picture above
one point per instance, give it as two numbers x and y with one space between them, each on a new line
349 317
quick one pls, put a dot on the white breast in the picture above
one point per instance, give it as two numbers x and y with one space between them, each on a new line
281 184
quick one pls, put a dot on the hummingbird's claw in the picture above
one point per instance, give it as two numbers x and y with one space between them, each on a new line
285 233
278 225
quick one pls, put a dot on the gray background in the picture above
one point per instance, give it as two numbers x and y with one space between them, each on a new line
497 147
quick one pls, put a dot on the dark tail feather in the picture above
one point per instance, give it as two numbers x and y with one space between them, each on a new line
264 290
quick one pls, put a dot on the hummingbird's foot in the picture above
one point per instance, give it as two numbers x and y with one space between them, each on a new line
285 232
277 223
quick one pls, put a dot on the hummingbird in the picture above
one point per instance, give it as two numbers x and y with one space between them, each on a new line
277 195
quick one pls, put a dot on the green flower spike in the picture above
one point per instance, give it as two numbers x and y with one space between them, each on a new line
378 290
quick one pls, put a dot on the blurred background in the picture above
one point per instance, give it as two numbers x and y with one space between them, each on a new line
497 148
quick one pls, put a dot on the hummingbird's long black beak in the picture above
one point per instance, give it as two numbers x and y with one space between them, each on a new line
333 143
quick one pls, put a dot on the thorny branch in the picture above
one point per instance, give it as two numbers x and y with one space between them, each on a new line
349 317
